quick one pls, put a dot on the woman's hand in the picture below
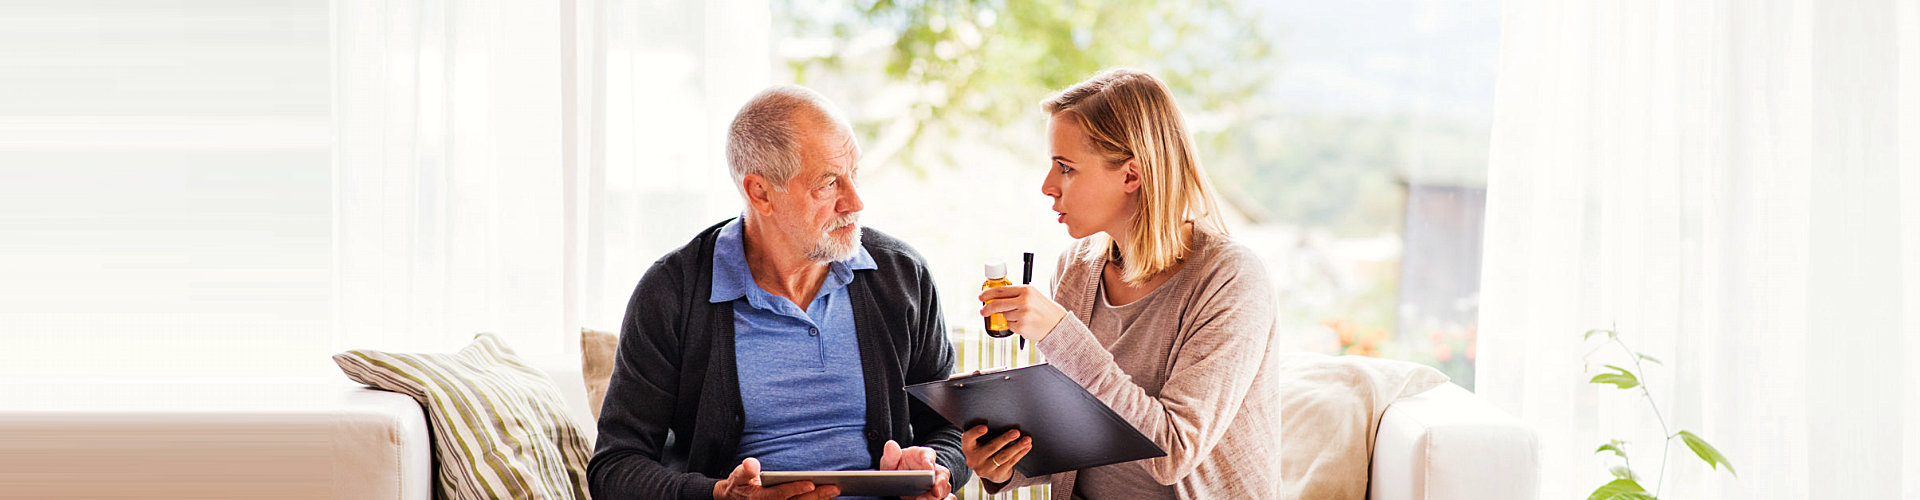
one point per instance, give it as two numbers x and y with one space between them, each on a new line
993 460
1029 312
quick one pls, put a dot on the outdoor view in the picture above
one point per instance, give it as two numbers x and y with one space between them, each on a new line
1348 139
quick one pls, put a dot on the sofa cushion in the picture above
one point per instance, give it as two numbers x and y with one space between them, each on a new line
248 437
596 365
500 427
1330 409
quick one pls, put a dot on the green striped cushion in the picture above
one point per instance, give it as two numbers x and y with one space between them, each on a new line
500 427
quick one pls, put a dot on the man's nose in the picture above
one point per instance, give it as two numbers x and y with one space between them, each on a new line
850 200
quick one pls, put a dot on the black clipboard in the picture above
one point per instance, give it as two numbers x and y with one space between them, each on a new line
1071 429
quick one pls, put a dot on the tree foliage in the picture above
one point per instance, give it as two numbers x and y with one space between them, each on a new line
974 63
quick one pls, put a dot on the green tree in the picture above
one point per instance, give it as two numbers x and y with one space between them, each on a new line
977 65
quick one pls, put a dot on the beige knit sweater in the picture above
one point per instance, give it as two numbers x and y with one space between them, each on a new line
1190 372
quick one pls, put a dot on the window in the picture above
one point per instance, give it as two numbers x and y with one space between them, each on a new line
165 186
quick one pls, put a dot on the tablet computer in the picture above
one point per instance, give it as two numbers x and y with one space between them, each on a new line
859 483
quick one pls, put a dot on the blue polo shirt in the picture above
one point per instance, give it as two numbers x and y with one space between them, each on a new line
801 381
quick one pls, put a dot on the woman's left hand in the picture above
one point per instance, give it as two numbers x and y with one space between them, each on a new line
1029 312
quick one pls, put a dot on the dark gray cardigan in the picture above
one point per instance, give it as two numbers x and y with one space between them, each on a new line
672 419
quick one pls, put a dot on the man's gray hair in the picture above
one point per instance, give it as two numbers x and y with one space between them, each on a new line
765 137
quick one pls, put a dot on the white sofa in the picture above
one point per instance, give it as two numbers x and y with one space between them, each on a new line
321 438
338 440
1448 443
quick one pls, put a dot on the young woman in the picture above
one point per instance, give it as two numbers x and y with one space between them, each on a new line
1154 310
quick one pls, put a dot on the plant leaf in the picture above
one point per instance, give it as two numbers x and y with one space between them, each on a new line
1621 471
1624 379
1706 452
1590 333
1650 359
1619 489
1618 447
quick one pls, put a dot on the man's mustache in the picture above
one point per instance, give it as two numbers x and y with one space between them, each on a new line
852 218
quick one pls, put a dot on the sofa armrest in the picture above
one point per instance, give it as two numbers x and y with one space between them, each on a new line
1450 444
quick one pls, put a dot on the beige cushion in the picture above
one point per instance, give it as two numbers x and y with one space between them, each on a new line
500 427
1330 409
596 365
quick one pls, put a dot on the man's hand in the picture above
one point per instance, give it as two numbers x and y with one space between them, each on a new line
919 458
744 484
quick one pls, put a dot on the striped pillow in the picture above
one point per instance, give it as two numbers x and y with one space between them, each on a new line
500 427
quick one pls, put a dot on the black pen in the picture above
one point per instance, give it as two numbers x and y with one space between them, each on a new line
1026 278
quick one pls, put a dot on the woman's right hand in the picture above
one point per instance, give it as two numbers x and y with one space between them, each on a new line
993 459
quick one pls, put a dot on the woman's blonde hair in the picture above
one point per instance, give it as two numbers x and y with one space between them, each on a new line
1130 115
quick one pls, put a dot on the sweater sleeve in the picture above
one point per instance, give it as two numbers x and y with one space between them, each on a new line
639 406
1226 327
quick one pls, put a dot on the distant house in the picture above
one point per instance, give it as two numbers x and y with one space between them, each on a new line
1440 268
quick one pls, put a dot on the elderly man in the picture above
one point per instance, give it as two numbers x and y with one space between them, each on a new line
780 340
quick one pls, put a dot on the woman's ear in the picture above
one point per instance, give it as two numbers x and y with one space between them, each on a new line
1130 176
759 194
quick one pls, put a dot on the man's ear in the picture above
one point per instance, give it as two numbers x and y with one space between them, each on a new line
759 194
1130 176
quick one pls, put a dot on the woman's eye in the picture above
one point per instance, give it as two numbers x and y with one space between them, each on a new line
1064 169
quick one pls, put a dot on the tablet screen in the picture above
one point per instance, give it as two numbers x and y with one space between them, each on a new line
860 483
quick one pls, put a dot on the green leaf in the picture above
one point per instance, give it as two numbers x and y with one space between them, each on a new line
1649 358
1618 447
1706 452
1620 489
1590 333
1624 379
1621 471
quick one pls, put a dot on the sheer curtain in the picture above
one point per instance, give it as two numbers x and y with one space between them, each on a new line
164 197
515 166
658 82
1734 186
449 207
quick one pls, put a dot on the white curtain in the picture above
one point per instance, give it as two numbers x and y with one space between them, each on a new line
1734 186
658 84
449 181
514 166
164 190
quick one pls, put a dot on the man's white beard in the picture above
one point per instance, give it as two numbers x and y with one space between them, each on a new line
829 248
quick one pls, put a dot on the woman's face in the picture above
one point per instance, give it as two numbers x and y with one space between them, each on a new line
1091 194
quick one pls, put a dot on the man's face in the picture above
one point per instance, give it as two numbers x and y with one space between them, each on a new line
819 208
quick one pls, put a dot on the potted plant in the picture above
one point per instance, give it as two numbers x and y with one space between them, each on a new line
1626 483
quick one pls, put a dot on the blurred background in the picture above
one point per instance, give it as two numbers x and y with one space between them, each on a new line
1349 140
195 187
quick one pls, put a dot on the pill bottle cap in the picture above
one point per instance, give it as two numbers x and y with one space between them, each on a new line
996 269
